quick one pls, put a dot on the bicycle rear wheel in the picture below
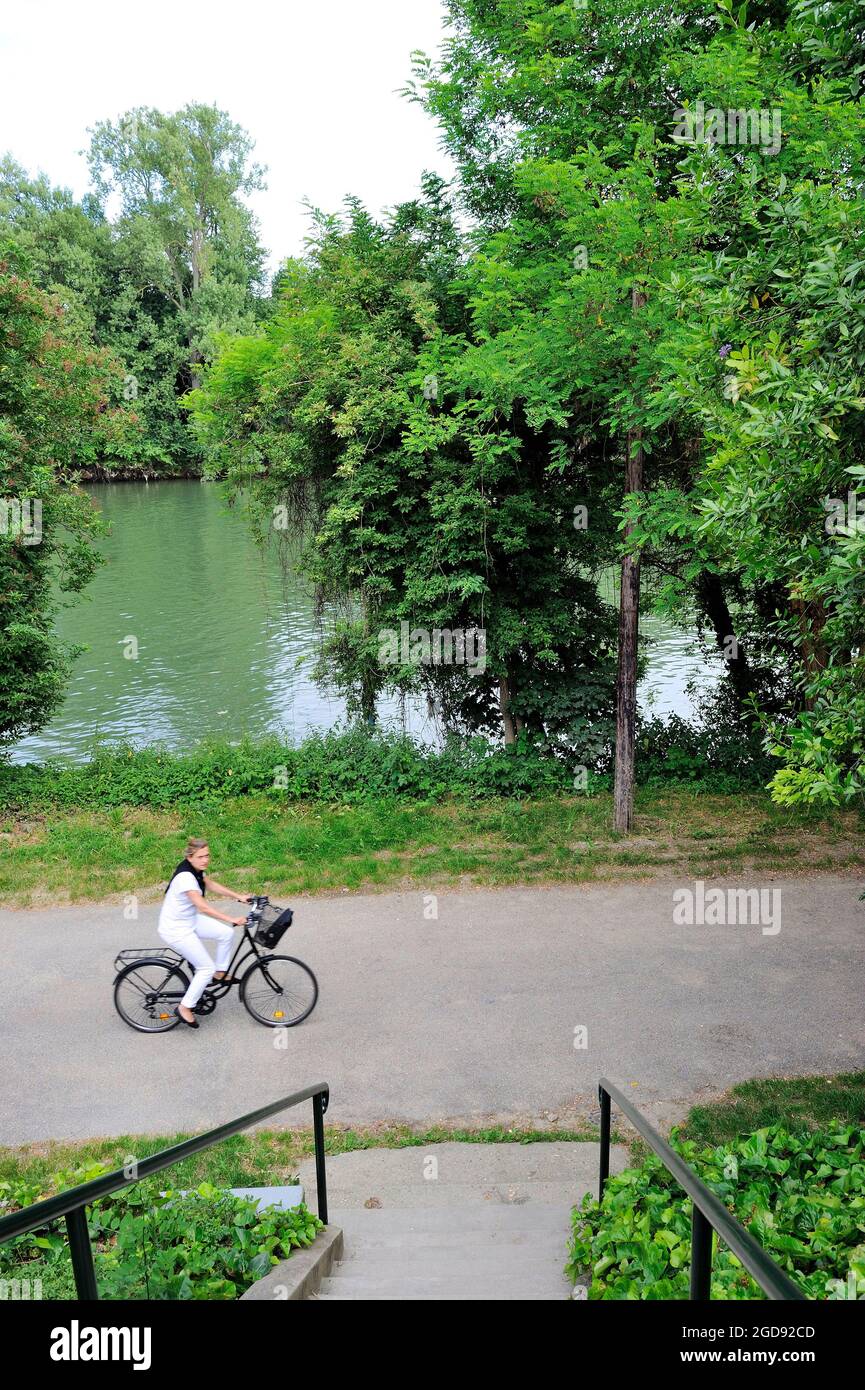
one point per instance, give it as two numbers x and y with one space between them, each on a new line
279 991
146 994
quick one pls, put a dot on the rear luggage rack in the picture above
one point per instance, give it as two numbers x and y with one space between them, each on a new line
146 952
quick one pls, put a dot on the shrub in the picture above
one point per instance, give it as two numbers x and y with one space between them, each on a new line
801 1196
356 766
152 1244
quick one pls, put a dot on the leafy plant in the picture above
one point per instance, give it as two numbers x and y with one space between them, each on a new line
801 1195
159 1244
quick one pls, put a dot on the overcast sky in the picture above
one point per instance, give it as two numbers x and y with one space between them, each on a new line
315 82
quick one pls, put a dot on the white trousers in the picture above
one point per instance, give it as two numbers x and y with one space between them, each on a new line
187 940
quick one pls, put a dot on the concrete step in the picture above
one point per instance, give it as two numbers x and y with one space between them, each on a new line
389 1222
440 1194
552 1172
414 1260
497 1245
456 1221
285 1197
462 1296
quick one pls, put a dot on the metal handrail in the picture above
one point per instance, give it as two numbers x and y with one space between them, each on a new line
73 1201
709 1211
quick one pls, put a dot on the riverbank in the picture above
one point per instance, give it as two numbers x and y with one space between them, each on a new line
93 853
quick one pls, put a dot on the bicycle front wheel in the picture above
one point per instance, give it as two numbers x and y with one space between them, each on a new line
279 991
146 994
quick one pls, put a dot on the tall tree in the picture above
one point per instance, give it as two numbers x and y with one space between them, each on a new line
60 407
440 504
180 178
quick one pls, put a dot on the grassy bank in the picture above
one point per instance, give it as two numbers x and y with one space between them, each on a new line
270 1157
799 1102
262 1158
63 855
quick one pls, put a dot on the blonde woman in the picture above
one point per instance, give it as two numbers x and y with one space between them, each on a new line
183 921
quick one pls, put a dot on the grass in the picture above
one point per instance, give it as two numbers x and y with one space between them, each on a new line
799 1102
88 855
263 1158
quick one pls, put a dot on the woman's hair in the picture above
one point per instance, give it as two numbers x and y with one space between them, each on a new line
193 846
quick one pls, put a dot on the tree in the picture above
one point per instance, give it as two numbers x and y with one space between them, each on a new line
179 178
437 505
766 357
56 415
181 264
529 96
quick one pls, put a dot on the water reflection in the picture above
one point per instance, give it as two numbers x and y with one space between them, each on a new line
224 636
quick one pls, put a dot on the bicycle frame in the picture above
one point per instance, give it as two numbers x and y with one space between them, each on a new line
234 964
218 989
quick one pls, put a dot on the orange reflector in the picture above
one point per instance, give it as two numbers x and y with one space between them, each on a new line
279 1014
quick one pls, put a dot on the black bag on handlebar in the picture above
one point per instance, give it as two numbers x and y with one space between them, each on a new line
275 922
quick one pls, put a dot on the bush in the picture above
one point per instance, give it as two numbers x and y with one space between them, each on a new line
801 1196
152 1244
357 766
345 767
721 746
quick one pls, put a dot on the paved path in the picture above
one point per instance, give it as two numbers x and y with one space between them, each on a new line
468 1016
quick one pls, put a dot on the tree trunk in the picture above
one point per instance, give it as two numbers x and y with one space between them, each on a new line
195 360
505 707
629 633
815 655
710 592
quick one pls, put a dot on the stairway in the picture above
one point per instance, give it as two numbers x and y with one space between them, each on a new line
455 1221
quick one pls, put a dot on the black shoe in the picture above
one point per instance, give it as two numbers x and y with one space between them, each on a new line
179 1015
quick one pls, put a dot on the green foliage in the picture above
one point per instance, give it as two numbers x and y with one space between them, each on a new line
177 269
743 369
723 756
58 409
802 1196
155 1243
431 494
431 405
798 1102
347 767
359 766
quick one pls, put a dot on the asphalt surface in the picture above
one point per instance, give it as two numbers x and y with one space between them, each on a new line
467 1017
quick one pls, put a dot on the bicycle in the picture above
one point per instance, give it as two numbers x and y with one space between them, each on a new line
278 991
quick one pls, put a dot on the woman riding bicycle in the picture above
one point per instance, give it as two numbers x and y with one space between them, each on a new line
183 921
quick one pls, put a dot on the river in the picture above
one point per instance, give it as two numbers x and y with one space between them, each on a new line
191 630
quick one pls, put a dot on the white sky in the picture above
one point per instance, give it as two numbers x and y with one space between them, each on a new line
315 82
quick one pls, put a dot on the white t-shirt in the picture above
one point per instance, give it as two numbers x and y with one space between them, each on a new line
178 912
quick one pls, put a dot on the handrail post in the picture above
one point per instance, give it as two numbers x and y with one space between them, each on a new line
320 1178
82 1255
604 1097
701 1255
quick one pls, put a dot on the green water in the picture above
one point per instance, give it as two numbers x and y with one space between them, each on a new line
223 635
